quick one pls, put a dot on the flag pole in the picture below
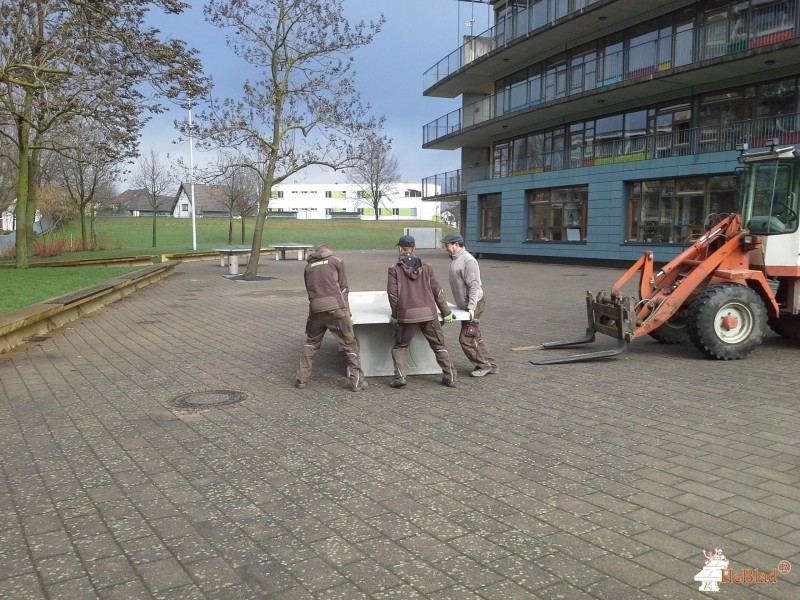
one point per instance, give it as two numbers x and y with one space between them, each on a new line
191 178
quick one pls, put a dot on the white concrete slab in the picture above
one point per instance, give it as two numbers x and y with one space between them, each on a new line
371 314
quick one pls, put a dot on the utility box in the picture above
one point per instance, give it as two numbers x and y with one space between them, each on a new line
425 237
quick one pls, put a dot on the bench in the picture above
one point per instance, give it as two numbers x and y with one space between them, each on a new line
375 335
233 253
280 250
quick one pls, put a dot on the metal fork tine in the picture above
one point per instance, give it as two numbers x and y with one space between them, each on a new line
621 347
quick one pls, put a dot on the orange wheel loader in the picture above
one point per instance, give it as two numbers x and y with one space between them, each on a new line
739 276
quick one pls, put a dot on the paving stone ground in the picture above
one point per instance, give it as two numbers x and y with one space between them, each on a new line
601 480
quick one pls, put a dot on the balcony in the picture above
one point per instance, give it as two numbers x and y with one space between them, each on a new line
518 27
727 50
452 184
700 140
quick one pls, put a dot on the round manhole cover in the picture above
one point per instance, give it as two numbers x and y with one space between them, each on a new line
208 399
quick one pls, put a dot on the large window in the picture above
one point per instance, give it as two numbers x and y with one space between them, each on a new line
490 208
676 211
557 214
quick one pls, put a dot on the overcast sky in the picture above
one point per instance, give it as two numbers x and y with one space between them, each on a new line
417 34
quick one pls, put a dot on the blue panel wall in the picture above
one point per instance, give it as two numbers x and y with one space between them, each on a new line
607 208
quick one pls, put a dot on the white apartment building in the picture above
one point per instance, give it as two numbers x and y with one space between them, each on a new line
344 200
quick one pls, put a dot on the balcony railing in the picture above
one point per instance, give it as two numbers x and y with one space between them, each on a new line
527 20
700 140
761 27
453 183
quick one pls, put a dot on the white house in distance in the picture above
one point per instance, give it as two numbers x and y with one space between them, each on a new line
343 200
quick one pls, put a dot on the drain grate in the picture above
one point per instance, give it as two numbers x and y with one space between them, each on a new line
207 399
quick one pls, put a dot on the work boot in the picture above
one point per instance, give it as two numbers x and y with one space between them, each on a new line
480 371
449 382
300 384
361 386
398 382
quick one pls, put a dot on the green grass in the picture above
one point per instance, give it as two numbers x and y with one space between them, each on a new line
23 287
133 236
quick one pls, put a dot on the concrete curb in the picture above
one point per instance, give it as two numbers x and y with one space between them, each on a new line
19 325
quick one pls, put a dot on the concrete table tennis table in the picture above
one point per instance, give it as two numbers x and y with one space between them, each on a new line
375 335
232 253
280 250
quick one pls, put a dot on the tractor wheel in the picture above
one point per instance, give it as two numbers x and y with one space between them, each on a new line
787 326
726 321
672 332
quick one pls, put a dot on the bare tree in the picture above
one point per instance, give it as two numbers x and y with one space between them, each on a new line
86 171
241 190
247 204
375 172
304 109
64 60
155 178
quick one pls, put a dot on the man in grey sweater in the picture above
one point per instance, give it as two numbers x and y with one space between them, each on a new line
465 283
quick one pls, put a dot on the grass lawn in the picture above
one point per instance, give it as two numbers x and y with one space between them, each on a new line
23 287
133 236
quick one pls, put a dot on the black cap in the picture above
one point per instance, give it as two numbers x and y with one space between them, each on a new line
406 241
452 238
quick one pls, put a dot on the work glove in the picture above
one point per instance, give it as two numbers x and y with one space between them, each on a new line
449 318
393 321
471 314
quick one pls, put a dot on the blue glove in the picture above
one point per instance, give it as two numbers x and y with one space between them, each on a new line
449 318
393 321
471 314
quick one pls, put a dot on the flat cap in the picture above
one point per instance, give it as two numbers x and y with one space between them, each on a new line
452 238
406 241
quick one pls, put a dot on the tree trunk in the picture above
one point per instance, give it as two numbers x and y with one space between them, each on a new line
243 229
154 228
258 234
230 229
22 241
84 232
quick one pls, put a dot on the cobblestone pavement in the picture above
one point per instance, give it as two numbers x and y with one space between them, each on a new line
599 480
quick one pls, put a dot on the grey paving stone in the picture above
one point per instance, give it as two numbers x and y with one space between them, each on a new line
562 481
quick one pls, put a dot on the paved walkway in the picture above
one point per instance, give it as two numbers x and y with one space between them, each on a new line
600 480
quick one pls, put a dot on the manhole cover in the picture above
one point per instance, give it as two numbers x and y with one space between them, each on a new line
208 399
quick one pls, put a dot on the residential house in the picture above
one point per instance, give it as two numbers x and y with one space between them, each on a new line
137 203
209 200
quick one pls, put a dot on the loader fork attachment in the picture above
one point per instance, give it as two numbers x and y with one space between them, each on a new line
621 347
608 315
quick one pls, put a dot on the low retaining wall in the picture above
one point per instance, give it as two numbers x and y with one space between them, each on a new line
17 326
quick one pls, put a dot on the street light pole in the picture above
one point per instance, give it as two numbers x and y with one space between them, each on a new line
191 178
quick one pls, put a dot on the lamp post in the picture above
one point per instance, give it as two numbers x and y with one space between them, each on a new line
191 178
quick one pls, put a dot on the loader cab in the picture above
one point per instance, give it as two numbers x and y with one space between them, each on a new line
769 191
770 194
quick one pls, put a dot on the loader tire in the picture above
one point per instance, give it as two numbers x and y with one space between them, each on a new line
672 332
787 326
726 321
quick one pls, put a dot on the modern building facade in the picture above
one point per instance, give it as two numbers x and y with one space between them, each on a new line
343 200
595 129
